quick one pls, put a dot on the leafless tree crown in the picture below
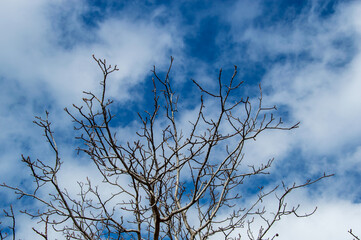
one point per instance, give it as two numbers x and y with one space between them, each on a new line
173 182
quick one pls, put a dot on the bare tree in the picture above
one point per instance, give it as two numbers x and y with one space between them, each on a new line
181 183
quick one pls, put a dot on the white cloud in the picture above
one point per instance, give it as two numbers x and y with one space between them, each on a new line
332 220
320 89
31 53
323 98
39 73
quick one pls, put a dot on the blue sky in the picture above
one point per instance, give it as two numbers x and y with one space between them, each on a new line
306 55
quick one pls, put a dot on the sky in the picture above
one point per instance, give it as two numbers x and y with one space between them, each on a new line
305 54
